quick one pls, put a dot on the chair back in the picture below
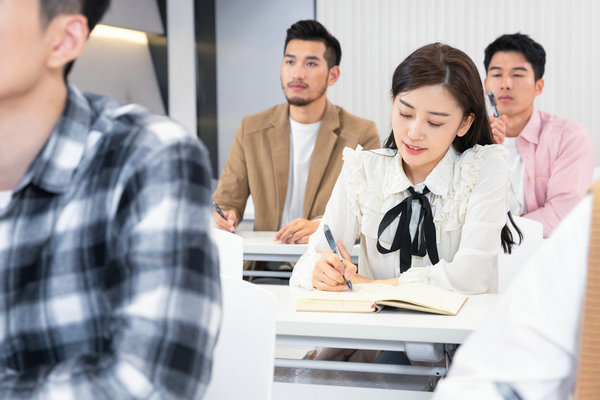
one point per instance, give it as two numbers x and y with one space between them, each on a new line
509 265
244 356
247 223
596 174
231 253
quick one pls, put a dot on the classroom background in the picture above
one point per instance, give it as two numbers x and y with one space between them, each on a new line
219 60
209 63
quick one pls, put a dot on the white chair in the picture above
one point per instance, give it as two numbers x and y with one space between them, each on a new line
249 210
244 356
509 265
231 253
596 175
247 223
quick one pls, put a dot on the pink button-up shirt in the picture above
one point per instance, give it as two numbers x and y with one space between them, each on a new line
558 157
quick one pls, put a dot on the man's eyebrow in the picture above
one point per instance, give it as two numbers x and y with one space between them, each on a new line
438 113
316 58
512 69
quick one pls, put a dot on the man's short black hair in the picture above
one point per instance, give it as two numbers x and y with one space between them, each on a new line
312 30
93 10
533 51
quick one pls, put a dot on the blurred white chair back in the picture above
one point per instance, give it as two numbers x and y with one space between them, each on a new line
509 265
247 223
231 253
249 210
596 175
244 356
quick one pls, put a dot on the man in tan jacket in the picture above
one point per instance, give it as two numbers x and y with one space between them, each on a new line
289 156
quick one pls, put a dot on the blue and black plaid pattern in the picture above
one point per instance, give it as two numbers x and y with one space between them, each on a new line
109 279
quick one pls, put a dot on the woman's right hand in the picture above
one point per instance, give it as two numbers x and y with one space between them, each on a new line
329 273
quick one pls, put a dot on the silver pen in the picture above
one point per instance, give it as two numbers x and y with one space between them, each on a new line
334 248
493 102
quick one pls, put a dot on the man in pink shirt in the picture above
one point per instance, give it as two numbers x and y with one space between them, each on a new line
553 157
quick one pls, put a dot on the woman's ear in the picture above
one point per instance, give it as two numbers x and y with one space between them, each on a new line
465 125
68 34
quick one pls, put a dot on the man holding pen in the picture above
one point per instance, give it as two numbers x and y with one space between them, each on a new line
289 156
553 157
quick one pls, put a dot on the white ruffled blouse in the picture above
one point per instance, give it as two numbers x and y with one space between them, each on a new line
469 200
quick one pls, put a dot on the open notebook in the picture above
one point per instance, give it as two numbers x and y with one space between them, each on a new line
371 297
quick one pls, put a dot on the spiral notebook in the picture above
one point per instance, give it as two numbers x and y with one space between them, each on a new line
372 297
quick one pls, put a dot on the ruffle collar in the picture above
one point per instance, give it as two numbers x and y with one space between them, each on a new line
438 181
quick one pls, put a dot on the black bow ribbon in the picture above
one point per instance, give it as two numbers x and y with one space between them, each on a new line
424 241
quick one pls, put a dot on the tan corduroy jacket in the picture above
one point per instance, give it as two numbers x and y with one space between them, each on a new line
258 162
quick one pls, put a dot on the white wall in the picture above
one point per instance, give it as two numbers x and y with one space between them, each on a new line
140 15
118 68
377 35
250 38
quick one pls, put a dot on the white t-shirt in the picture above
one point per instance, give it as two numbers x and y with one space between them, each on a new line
302 145
469 201
530 339
517 198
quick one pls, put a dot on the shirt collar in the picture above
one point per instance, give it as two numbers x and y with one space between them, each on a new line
330 121
531 131
53 168
438 181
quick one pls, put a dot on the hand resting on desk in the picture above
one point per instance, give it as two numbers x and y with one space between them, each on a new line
297 231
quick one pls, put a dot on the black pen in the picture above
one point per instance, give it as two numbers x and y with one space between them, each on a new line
216 206
493 102
334 248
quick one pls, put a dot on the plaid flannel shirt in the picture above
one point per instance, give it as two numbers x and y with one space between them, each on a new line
109 275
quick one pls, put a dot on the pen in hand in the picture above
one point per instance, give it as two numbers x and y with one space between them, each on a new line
493 103
334 248
219 211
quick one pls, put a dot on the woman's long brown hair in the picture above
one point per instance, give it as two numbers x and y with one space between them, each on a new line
440 64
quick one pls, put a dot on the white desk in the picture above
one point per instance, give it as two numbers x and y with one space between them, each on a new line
387 330
259 246
387 327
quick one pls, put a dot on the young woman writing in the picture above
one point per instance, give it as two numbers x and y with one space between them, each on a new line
432 205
